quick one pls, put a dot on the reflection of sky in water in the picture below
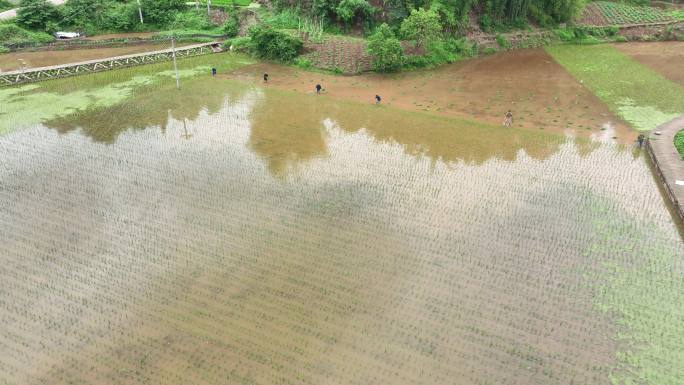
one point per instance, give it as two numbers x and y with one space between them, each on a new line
479 233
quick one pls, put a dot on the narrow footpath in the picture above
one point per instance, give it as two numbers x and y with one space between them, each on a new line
668 162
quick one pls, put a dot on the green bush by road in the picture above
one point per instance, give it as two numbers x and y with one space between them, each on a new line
679 142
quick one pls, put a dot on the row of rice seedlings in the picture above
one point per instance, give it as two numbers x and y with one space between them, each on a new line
375 262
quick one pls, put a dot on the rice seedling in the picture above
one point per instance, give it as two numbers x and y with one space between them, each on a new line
639 95
231 234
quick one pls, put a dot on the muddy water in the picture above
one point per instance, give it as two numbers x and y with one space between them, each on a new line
541 95
121 35
230 233
11 61
666 58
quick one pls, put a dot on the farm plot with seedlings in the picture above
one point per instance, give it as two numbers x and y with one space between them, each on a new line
605 13
336 53
637 94
246 235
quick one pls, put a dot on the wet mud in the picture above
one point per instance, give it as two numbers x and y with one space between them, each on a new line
538 91
666 58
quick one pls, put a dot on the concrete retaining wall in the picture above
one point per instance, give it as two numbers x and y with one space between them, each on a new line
668 162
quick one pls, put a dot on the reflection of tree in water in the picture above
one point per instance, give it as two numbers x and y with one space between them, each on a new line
288 128
150 107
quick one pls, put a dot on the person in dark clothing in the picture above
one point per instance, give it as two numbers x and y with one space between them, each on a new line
378 99
213 72
318 88
265 78
640 140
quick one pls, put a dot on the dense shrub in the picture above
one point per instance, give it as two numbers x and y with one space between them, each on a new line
120 17
36 14
231 27
161 12
502 42
99 15
13 34
269 43
4 4
238 43
191 20
350 10
385 49
438 52
679 143
453 13
421 26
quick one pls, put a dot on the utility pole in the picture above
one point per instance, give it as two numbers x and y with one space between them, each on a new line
175 66
208 7
140 13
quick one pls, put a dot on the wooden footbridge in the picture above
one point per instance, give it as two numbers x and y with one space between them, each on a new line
30 75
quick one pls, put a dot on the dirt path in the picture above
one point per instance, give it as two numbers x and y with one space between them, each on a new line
668 162
10 61
539 92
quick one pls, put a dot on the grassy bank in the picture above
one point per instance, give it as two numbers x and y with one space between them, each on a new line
679 142
637 94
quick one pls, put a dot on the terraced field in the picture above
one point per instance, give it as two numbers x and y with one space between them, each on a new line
605 13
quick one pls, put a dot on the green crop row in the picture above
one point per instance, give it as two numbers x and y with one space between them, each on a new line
618 13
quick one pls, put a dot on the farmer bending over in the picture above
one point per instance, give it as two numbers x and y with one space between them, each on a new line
265 78
318 88
378 99
508 121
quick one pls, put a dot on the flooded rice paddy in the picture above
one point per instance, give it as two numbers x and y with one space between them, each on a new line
232 233
529 82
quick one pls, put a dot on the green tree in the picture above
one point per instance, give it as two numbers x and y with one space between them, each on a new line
35 14
385 49
269 43
421 26
348 10
81 13
121 17
161 12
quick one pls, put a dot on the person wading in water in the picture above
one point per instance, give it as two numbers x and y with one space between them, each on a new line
508 121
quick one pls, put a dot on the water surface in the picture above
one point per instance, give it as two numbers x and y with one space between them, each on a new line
230 233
